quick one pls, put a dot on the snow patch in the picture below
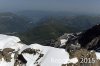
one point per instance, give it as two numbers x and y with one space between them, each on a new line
63 42
98 55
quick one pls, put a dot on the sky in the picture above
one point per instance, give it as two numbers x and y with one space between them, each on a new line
86 6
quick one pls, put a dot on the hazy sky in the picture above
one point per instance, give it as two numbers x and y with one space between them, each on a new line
92 6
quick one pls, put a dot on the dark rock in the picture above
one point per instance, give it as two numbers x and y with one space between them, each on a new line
90 39
22 59
30 51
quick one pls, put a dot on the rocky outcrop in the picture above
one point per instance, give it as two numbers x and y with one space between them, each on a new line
70 37
30 51
90 39
6 54
85 58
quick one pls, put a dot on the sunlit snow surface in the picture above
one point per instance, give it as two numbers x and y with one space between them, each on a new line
98 55
63 42
8 41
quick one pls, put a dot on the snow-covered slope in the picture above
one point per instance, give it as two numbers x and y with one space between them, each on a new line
34 54
7 41
52 56
44 55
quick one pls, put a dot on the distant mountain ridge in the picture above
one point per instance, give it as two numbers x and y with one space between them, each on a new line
10 22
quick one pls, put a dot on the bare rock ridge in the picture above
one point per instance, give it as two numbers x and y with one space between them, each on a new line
90 39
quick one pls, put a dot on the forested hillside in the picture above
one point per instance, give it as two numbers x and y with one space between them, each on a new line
10 23
49 29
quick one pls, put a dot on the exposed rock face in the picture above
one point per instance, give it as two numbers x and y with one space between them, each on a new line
30 51
71 43
6 54
70 37
1 56
90 39
21 60
85 58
